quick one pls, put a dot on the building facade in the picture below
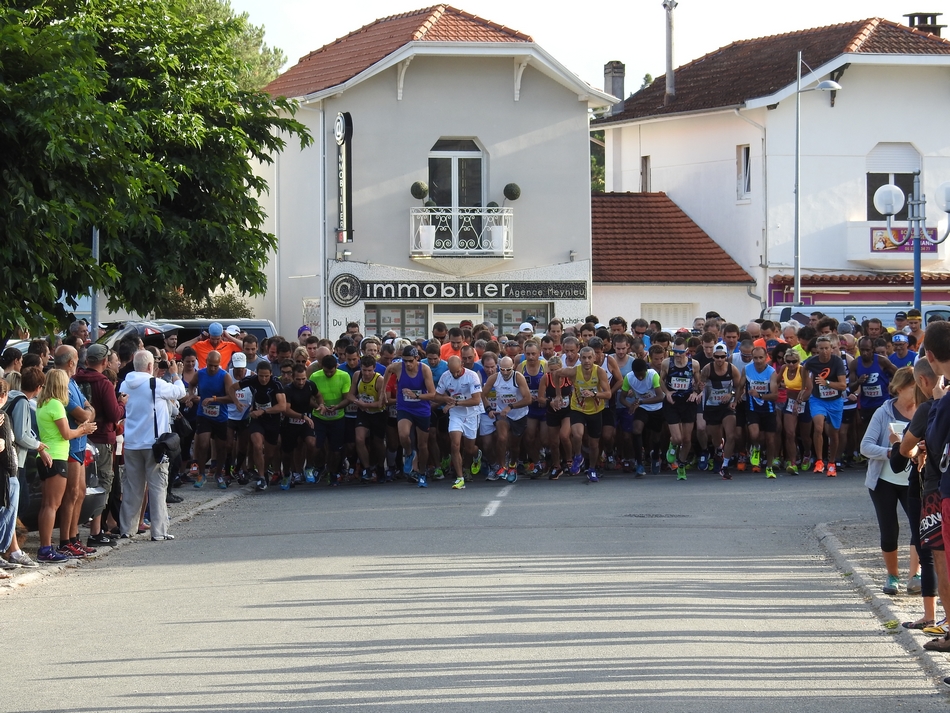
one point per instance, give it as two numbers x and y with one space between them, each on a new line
483 118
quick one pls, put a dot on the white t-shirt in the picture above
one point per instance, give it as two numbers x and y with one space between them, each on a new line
244 397
462 388
644 388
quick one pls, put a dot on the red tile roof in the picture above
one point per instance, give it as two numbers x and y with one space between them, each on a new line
863 278
646 237
346 57
749 69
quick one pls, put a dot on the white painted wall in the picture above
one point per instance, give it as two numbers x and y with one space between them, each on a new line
733 303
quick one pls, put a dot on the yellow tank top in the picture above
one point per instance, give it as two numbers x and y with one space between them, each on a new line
796 383
368 392
578 402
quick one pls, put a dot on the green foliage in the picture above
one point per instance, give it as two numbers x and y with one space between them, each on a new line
128 115
597 161
647 81
223 305
512 191
419 190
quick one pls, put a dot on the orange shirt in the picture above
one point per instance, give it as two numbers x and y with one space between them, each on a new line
224 348
447 351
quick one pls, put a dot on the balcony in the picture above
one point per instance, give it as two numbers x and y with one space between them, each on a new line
868 245
439 232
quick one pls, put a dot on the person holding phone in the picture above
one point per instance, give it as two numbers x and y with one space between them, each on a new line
887 487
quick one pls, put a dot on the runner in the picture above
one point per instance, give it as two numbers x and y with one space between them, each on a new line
298 444
460 390
413 414
268 402
826 404
642 398
368 396
797 421
721 383
510 415
533 369
591 391
679 379
761 388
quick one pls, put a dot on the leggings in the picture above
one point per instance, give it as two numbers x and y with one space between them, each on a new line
928 576
885 497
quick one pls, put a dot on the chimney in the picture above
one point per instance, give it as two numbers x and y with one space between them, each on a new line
669 5
614 73
925 22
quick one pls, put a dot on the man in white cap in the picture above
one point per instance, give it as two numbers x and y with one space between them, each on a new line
526 328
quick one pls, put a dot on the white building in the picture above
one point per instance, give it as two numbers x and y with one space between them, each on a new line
441 97
723 149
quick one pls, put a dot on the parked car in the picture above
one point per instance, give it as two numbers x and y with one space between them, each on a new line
31 496
190 328
151 333
884 312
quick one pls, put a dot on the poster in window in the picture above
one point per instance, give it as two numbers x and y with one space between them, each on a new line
881 242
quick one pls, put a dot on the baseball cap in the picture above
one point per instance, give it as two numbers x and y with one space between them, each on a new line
466 323
533 320
850 318
233 330
97 352
239 360
900 315
215 329
899 338
845 328
720 349
599 325
771 344
304 328
526 327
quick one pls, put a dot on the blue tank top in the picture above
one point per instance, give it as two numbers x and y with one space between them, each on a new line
534 385
758 383
209 386
873 391
416 407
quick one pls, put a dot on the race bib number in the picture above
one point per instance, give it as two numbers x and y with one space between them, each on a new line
796 407
296 421
212 411
366 398
872 392
534 394
261 407
760 387
393 410
415 395
680 383
826 392
350 408
717 395
507 399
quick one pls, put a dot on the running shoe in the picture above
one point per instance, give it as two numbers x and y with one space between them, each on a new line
222 483
741 462
407 463
365 477
98 540
791 468
806 465
71 551
390 476
438 474
459 484
576 464
200 480
49 555
703 461
626 466
724 473
555 473
414 477
500 472
640 471
492 474
261 484
913 585
858 458
537 471
832 470
671 454
769 473
592 476
22 559
655 467
446 463
422 481
310 474
755 455
819 466
477 462
296 479
756 469
892 585
611 463
285 483
512 476
681 472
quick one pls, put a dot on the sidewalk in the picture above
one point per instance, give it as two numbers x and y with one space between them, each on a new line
195 501
854 547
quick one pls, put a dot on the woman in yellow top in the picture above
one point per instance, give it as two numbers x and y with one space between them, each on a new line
56 434
588 397
797 418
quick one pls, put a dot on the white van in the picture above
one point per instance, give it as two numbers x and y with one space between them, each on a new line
883 311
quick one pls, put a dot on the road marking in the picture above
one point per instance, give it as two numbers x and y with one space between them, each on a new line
491 508
504 491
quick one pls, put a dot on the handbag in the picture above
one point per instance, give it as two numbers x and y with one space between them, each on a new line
182 426
167 447
931 521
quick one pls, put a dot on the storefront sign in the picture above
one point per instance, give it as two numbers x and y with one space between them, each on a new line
881 242
343 133
346 290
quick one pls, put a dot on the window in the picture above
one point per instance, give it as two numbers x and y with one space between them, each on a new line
895 163
456 170
408 322
743 172
671 315
507 318
645 174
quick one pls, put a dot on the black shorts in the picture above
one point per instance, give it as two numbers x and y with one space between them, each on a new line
847 415
652 420
680 411
517 428
765 421
349 430
556 418
420 422
609 417
742 411
330 432
375 423
715 415
57 468
439 420
593 422
270 431
292 435
238 426
217 429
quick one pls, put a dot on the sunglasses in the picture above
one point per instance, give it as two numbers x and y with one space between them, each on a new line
719 356
679 351
791 361
505 371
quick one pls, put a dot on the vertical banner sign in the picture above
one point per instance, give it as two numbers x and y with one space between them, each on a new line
343 133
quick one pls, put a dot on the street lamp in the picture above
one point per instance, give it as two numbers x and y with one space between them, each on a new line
824 86
889 200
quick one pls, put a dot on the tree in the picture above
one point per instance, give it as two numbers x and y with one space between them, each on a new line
156 148
647 81
219 305
597 168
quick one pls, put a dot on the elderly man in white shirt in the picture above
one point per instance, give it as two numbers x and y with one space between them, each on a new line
146 417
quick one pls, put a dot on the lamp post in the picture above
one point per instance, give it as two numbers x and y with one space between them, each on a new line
889 200
824 86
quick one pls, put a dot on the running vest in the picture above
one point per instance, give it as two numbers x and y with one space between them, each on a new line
417 385
757 384
368 392
679 379
534 386
644 388
209 386
793 384
508 393
874 391
578 402
719 386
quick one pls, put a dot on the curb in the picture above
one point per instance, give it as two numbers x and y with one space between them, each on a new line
932 663
45 571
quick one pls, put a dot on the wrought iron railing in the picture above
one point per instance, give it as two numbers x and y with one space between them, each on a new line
461 232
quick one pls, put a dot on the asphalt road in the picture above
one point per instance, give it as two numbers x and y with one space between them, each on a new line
648 595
